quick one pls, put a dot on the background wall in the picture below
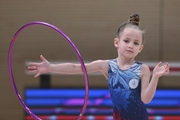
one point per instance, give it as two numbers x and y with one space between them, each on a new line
92 26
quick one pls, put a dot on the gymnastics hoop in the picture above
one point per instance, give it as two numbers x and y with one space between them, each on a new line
75 50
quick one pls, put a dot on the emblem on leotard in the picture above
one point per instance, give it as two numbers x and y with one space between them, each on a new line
133 83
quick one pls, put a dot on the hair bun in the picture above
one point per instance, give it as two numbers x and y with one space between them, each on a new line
134 19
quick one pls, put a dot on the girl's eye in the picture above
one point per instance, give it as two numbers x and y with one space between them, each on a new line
136 43
126 41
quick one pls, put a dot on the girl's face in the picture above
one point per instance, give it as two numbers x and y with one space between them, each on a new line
129 44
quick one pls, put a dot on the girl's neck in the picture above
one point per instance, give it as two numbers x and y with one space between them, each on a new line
124 63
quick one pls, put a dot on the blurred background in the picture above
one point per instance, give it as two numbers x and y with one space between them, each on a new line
92 26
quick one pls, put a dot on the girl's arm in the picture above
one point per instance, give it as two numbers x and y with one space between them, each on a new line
148 89
67 68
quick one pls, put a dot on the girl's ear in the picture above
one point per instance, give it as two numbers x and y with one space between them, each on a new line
141 48
116 41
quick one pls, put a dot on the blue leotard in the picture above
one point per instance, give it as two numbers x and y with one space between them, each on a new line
125 90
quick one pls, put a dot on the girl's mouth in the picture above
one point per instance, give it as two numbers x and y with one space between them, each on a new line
129 51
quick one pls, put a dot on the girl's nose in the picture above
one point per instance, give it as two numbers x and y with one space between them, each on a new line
130 45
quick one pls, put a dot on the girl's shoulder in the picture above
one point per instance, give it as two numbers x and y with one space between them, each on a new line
144 66
145 69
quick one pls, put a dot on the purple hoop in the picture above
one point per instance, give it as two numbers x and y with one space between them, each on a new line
74 48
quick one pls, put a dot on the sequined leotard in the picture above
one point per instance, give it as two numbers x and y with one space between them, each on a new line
125 90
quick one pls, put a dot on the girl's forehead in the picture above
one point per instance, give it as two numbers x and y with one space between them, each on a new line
131 32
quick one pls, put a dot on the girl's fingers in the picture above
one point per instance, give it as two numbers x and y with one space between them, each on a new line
32 67
37 75
33 71
33 64
42 58
167 66
159 64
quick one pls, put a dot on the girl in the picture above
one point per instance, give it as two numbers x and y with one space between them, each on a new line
128 80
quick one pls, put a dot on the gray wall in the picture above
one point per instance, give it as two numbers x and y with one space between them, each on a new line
92 26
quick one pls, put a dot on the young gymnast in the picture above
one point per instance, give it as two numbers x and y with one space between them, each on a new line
129 81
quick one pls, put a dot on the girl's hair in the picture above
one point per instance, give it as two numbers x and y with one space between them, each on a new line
133 22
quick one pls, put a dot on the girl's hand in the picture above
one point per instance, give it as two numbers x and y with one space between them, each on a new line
161 70
39 68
